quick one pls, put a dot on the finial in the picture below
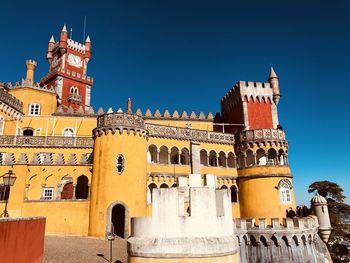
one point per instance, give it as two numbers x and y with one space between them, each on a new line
272 73
64 29
52 39
129 106
88 39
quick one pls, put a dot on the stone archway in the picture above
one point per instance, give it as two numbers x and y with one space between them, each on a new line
118 219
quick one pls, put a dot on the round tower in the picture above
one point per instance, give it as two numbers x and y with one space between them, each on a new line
264 177
118 190
319 204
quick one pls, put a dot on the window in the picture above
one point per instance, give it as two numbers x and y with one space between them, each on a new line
284 187
4 192
82 188
68 132
34 109
48 193
119 164
28 132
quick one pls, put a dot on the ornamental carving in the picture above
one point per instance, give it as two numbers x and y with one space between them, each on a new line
120 119
261 134
189 134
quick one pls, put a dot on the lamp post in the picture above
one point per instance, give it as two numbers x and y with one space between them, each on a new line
8 180
110 237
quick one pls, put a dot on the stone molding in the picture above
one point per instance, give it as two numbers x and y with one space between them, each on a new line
46 141
10 105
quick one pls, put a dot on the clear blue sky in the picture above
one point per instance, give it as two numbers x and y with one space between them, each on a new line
186 55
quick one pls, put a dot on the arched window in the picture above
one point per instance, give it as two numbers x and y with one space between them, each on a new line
231 160
271 157
82 188
164 185
250 158
68 132
67 191
204 157
163 155
28 132
222 159
2 124
281 157
284 187
150 192
213 161
152 154
185 156
119 164
234 194
223 187
174 155
261 157
34 109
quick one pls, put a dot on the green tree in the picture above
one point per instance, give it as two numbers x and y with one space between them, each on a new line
338 211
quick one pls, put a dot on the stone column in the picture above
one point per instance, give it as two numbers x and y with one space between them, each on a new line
158 155
169 161
255 161
179 158
195 158
74 186
88 196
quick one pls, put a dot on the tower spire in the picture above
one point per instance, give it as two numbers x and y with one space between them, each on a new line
272 73
64 29
274 84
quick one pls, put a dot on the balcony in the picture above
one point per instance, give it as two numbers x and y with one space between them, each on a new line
46 141
74 97
261 135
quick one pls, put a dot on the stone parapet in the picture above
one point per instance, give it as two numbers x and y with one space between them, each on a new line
189 134
261 135
10 105
46 141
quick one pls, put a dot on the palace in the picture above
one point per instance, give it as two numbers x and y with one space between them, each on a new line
90 172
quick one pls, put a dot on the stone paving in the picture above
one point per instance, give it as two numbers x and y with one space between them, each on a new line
72 249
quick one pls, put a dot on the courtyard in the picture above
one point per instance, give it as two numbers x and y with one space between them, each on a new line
73 249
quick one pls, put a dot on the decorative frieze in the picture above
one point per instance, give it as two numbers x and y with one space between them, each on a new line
46 141
261 135
189 134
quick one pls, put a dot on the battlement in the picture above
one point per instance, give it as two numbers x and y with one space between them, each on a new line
167 116
28 84
174 232
76 46
31 62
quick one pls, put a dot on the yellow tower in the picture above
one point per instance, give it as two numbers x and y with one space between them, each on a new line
118 190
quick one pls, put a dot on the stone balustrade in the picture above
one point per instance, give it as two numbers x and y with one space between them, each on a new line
46 141
120 120
261 135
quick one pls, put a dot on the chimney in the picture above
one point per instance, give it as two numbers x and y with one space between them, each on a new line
31 65
129 106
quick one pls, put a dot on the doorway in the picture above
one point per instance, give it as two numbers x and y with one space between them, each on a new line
118 220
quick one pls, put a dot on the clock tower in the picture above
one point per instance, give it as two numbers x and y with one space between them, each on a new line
68 62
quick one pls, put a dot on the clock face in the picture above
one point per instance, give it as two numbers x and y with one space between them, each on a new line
75 61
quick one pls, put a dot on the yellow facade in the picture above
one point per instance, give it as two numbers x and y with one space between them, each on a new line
59 155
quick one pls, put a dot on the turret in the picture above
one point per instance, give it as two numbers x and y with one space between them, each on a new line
274 84
63 40
321 210
87 49
31 65
50 48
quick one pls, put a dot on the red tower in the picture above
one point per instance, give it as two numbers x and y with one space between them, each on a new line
68 62
252 105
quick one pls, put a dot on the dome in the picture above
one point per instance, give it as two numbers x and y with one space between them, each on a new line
318 199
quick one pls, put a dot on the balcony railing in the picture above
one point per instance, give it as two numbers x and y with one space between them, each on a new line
11 100
261 134
74 97
46 141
